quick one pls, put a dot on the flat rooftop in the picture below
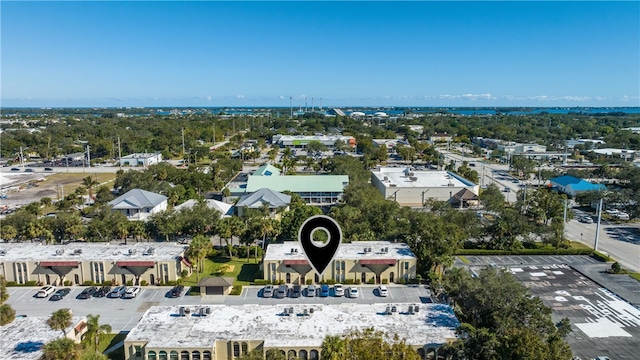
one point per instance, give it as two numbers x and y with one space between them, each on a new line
89 251
24 338
402 177
346 251
162 327
603 324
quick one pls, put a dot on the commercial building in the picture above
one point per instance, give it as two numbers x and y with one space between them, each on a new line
225 332
362 261
141 159
572 185
24 337
81 263
139 204
314 189
301 141
412 188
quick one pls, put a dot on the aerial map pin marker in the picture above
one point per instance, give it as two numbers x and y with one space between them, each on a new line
320 254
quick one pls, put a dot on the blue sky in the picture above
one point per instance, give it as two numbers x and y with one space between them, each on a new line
348 54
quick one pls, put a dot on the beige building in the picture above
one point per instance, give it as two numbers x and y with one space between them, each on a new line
412 188
81 263
227 332
362 261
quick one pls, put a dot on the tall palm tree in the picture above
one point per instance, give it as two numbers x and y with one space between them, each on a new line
95 330
89 182
199 248
60 320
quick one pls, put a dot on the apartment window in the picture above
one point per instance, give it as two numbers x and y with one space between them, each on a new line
303 355
313 355
162 355
236 349
173 355
245 348
151 355
184 355
195 355
165 270
206 355
138 351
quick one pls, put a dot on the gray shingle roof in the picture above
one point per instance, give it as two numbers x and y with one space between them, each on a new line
273 198
137 199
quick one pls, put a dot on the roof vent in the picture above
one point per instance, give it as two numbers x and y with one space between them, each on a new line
3 253
293 250
59 251
386 178
311 311
77 251
450 183
392 185
410 174
132 251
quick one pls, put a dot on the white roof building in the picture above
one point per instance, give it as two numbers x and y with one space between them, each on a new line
303 140
141 159
23 338
218 329
225 210
412 188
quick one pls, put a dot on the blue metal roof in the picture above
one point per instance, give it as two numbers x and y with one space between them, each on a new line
576 184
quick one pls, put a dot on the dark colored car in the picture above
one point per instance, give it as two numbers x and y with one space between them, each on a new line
176 291
297 290
48 169
60 294
28 170
102 292
15 169
87 293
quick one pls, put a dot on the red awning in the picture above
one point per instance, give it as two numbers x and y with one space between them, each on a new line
296 262
377 262
58 263
135 263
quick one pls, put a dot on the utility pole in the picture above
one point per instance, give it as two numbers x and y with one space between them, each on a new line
595 245
291 105
119 154
88 156
183 151
21 157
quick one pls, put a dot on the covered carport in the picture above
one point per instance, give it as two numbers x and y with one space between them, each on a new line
215 285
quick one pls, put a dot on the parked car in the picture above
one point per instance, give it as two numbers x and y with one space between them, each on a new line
88 292
297 291
117 292
28 170
324 290
338 290
383 291
102 292
60 294
353 292
48 169
15 169
283 290
131 292
176 291
267 292
506 189
311 290
45 291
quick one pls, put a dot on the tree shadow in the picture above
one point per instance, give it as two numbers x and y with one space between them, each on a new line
248 272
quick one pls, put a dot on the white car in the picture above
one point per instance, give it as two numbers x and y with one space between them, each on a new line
383 291
131 292
353 292
338 290
45 291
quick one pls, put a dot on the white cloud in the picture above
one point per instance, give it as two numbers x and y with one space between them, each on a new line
240 96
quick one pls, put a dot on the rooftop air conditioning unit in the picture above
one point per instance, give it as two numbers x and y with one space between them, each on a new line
293 250
3 253
132 251
201 312
392 185
386 178
77 251
181 311
410 174
416 309
413 178
208 310
59 251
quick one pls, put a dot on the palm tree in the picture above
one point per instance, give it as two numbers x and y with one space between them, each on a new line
95 330
60 320
138 230
229 227
199 248
333 348
89 182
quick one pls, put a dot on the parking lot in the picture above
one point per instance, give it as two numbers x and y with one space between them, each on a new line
602 323
123 314
507 260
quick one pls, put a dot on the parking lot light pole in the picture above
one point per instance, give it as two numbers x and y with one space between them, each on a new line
595 246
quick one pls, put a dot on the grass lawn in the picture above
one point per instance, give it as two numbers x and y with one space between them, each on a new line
107 341
70 181
243 272
635 276
578 245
